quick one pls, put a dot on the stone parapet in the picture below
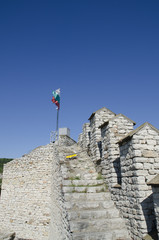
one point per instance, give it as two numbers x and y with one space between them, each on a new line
97 119
139 157
111 132
31 196
65 140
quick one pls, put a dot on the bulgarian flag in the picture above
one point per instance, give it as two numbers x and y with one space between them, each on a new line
56 98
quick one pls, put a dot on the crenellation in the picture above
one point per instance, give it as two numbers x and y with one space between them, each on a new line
130 158
35 186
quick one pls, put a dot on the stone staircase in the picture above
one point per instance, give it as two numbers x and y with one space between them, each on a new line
92 213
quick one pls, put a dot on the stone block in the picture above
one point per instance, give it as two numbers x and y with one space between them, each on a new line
140 173
149 154
148 166
138 166
151 142
156 165
136 153
64 131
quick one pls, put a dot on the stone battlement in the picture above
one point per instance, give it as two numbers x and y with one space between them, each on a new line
108 190
127 159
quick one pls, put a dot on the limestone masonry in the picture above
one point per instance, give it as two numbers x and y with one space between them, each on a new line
109 191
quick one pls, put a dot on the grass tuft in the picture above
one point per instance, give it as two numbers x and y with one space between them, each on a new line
99 177
74 178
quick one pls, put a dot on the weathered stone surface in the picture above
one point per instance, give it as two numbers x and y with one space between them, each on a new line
32 197
129 167
89 204
7 236
149 154
46 196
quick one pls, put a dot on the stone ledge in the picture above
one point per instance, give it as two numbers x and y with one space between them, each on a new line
154 181
117 186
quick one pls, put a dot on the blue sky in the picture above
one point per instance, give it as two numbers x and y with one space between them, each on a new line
100 53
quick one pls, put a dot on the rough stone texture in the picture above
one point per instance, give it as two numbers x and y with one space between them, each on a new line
128 168
80 139
48 196
65 140
26 182
138 163
7 236
115 129
31 187
59 225
155 190
84 137
92 213
97 119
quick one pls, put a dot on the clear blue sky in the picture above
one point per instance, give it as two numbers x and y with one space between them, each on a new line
100 53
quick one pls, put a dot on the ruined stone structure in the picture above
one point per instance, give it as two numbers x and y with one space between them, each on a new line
108 190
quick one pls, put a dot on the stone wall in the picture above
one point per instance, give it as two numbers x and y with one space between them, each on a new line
80 139
84 137
59 225
32 202
96 119
31 198
139 163
128 160
155 190
112 131
154 183
65 140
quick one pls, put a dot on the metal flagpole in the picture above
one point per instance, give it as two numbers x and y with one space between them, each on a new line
57 124
56 100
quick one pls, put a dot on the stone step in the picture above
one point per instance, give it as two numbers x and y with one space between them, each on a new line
86 225
102 196
82 182
93 214
85 175
85 189
107 235
88 205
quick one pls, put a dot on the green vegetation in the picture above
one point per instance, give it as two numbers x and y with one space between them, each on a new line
99 177
74 178
3 161
95 185
74 191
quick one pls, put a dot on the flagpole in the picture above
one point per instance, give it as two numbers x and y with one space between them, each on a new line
56 100
57 124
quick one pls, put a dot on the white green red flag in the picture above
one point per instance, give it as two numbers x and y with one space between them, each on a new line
56 98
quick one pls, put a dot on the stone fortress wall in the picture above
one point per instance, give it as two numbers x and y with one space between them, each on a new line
32 202
127 159
31 196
